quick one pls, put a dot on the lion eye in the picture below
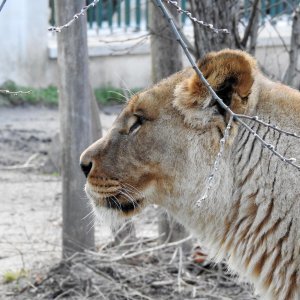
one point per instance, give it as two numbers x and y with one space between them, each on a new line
140 120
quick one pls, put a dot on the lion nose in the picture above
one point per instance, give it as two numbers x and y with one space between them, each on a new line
86 161
86 168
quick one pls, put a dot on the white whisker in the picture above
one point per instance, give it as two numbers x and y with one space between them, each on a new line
117 203
119 94
133 189
131 199
88 215
92 224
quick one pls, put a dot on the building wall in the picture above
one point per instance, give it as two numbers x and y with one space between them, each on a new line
24 38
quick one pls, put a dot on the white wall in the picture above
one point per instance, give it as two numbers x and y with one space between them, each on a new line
119 64
23 36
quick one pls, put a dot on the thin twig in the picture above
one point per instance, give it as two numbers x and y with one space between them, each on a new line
76 16
14 93
217 161
290 161
2 4
250 24
141 278
125 40
27 165
195 20
180 262
152 249
274 127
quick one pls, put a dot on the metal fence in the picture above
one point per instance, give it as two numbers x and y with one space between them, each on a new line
134 14
119 14
272 8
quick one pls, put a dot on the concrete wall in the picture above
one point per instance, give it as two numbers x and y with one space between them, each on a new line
121 64
24 38
29 53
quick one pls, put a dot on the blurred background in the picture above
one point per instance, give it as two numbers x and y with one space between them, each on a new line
50 245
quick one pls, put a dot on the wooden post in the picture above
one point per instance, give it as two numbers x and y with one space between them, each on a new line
79 124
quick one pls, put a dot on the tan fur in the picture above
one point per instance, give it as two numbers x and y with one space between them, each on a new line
252 214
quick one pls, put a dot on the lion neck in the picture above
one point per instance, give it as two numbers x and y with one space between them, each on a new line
203 217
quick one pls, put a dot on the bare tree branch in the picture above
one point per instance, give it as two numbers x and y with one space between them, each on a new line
2 5
193 19
76 16
7 92
250 24
217 161
222 14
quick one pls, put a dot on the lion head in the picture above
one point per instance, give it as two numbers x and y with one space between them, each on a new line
161 146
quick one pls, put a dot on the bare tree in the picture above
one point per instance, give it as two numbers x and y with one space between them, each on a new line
251 30
79 124
224 14
291 76
166 57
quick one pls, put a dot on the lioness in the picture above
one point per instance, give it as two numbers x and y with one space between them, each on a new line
161 149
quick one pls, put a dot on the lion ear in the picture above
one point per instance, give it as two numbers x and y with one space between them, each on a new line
229 72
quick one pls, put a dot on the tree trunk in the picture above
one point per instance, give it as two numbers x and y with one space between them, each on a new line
291 76
79 124
166 56
220 13
251 30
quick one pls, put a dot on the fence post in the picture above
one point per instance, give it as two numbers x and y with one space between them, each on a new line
52 18
273 6
110 14
183 16
119 13
147 15
90 15
246 9
280 7
99 14
127 13
263 11
138 14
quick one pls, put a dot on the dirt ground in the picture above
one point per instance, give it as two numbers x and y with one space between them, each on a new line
30 215
30 200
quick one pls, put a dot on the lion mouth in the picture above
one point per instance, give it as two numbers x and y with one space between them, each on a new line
120 201
112 202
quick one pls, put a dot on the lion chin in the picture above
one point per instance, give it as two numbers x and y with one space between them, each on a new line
109 217
112 210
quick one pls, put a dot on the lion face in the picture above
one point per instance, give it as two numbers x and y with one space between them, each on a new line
161 147
127 168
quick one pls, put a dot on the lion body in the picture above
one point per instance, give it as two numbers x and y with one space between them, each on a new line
252 213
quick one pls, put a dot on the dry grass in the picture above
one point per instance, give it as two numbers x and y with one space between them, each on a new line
137 270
